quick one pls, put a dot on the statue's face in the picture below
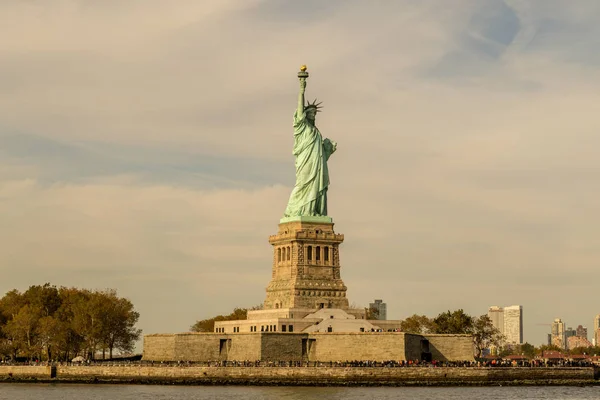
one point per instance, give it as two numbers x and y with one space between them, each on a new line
311 113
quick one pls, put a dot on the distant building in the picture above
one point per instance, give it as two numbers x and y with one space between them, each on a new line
581 332
558 334
496 314
513 324
569 332
576 341
509 321
596 330
381 309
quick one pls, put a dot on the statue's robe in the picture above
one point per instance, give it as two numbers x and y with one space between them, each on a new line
309 197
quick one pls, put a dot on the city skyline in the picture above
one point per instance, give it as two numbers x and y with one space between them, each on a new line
146 147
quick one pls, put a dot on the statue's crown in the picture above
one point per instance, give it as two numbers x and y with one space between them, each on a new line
314 105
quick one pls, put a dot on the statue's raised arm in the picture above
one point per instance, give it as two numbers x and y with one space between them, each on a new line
309 196
302 75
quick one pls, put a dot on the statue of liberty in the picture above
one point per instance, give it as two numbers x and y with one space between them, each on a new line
309 196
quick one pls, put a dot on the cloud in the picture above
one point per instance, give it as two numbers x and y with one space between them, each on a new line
147 147
136 236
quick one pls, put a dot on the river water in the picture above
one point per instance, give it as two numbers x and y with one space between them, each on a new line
19 391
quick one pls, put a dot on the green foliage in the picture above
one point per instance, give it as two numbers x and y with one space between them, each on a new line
50 323
531 351
506 351
594 350
418 324
548 347
455 322
208 325
527 350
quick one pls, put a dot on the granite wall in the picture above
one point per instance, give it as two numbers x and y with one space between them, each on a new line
450 347
380 346
331 346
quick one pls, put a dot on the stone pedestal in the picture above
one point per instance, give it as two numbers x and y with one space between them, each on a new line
306 265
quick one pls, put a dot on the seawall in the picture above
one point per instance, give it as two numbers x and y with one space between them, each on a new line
301 376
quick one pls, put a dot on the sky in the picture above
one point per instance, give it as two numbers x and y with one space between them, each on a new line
146 146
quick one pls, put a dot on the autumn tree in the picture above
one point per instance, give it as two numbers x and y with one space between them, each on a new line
485 334
21 331
118 324
455 322
527 350
371 313
46 322
208 325
418 324
593 350
548 347
70 343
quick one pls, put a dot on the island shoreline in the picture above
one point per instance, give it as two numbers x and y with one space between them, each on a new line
303 376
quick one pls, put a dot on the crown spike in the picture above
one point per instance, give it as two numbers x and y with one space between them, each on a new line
314 104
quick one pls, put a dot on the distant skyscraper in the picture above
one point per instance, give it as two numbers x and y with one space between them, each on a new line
596 330
513 324
496 314
558 334
381 308
569 333
581 332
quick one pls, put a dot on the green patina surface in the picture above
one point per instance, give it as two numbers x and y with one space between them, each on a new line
311 152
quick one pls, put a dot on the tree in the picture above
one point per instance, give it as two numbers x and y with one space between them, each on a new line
87 316
208 325
5 345
418 324
11 303
118 325
48 335
371 313
548 347
46 322
21 331
70 343
485 334
592 350
455 322
44 299
528 350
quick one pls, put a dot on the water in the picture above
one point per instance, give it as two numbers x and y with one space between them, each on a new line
141 392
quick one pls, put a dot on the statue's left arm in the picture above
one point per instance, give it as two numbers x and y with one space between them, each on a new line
329 147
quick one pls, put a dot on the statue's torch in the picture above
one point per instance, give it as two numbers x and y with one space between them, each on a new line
302 74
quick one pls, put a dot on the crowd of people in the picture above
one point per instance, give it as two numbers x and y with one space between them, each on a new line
536 363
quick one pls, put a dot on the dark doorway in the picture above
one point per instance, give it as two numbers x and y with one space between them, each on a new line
223 347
